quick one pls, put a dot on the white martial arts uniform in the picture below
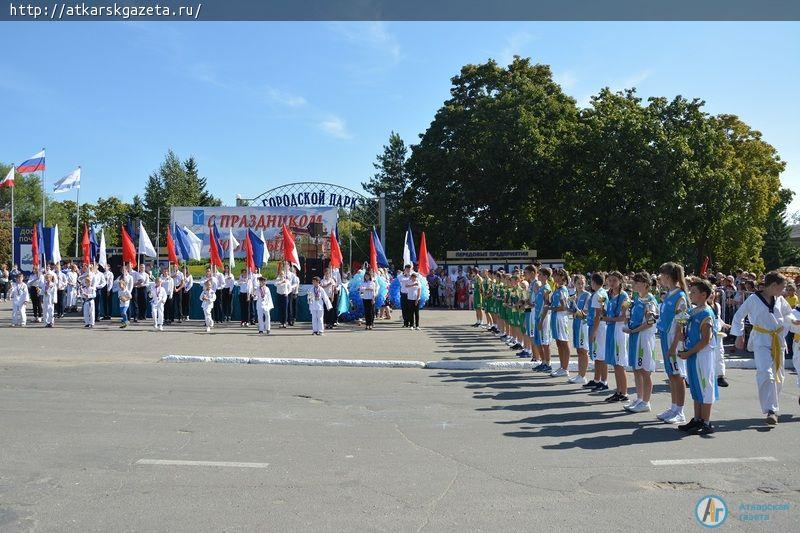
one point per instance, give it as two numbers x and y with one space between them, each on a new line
768 348
207 298
719 348
72 290
19 297
318 302
263 307
158 296
50 297
88 293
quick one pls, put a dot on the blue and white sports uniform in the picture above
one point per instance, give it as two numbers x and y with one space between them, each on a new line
598 347
642 344
675 302
616 339
580 326
559 319
541 331
700 372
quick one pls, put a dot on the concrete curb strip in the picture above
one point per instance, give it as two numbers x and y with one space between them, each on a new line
481 364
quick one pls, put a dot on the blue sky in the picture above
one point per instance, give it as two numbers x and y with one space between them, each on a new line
262 104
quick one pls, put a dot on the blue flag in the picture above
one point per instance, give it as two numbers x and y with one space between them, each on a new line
95 245
258 248
40 240
382 261
409 253
181 244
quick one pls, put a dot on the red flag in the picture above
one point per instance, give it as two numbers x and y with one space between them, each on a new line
35 247
289 248
423 267
86 246
172 257
128 249
373 254
336 252
248 250
213 247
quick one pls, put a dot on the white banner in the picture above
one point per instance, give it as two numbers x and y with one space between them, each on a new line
267 219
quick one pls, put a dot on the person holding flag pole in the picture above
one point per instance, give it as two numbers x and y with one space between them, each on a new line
8 181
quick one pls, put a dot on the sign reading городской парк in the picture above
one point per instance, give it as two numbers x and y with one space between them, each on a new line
491 254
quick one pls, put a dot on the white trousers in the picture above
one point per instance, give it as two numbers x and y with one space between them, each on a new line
768 388
157 309
19 315
719 357
264 323
71 297
207 315
49 310
88 312
796 361
316 321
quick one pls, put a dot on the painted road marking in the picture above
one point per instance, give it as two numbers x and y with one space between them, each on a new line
672 462
175 462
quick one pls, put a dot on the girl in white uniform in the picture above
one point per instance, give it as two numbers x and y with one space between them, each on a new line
559 314
88 293
597 334
50 297
642 342
672 315
19 298
318 302
207 298
771 317
616 339
580 327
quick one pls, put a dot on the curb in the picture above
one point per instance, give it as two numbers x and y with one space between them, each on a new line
481 364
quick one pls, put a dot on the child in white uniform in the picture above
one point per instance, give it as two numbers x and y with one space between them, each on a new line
597 334
19 298
88 293
318 302
263 306
158 297
207 298
642 342
124 295
50 297
771 317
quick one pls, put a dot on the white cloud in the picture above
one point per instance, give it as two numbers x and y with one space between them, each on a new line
284 98
335 127
515 45
372 35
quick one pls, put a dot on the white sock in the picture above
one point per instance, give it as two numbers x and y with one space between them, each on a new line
678 409
673 408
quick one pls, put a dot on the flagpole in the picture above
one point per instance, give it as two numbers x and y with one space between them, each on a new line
77 216
43 194
12 222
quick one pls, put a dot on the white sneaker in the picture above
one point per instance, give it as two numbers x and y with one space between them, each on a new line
560 373
160 328
640 407
208 330
679 418
155 328
669 413
630 405
578 380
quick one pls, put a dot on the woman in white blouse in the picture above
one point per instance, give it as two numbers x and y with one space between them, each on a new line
368 289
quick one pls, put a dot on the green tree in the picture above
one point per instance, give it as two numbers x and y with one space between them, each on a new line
778 250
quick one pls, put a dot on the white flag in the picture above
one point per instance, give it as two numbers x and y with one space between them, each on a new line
266 250
232 244
8 181
145 244
195 244
56 247
431 263
68 182
102 259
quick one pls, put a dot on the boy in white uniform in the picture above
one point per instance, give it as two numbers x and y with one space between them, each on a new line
263 306
771 317
207 298
318 302
168 283
19 298
88 293
50 296
158 297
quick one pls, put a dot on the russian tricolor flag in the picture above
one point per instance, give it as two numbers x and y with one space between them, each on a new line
34 164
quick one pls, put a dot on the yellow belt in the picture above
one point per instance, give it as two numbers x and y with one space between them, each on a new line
775 348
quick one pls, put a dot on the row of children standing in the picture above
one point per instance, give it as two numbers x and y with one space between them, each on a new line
614 329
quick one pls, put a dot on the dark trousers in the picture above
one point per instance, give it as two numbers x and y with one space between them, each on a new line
107 303
292 309
187 303
216 311
413 313
244 308
330 314
4 289
253 315
227 309
141 303
99 300
177 305
60 303
283 308
369 312
404 308
169 310
36 301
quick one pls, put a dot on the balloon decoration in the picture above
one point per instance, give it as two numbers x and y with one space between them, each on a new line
353 309
356 308
383 292
344 300
425 292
